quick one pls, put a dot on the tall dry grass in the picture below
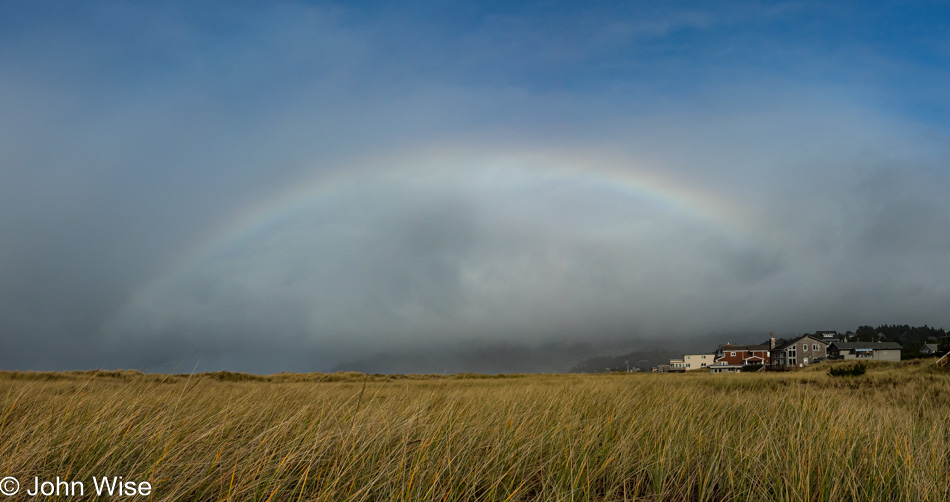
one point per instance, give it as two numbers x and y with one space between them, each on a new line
800 436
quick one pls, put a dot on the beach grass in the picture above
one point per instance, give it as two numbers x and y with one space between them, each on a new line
796 436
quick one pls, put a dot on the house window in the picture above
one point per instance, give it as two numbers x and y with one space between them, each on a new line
792 361
814 347
805 348
732 353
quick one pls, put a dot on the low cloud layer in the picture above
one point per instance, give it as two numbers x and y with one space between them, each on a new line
315 188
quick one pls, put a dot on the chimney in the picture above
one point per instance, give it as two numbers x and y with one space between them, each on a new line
771 340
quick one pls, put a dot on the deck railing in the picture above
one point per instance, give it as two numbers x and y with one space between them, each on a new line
943 361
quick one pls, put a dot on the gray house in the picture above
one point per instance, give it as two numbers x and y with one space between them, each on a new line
929 349
875 351
799 353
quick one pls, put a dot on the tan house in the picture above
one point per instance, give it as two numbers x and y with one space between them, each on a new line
692 362
873 351
698 361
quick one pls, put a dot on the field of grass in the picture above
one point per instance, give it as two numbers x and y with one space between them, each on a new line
800 436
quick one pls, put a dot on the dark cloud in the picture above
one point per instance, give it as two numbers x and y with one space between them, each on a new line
490 189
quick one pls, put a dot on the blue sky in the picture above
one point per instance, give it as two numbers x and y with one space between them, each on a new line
305 186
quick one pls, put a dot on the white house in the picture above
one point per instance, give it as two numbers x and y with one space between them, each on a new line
677 365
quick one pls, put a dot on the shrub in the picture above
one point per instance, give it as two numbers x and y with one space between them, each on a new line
852 370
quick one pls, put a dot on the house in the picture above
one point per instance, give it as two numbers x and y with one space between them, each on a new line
943 345
691 362
877 351
733 358
799 352
830 337
698 361
929 349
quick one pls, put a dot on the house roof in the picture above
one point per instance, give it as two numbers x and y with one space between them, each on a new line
796 340
867 345
734 348
931 346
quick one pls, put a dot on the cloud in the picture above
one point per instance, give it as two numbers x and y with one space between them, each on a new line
307 187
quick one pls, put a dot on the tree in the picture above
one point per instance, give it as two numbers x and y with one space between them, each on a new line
865 334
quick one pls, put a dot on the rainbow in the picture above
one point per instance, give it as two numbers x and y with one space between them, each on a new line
503 171
518 172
